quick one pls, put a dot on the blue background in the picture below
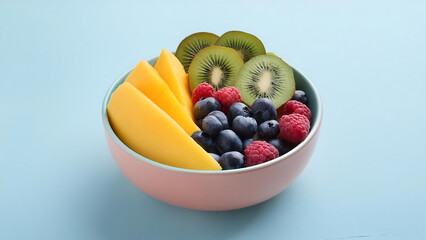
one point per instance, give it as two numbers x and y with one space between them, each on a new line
366 179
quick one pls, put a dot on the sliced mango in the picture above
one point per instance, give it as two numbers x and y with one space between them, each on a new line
173 73
147 80
151 132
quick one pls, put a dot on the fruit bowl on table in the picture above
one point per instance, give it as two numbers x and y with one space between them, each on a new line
215 190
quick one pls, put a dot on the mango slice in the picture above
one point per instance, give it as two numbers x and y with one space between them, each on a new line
173 73
151 132
147 80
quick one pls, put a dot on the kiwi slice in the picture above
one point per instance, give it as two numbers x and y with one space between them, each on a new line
247 45
215 65
192 44
266 76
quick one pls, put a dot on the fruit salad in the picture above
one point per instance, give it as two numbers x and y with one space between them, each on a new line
218 103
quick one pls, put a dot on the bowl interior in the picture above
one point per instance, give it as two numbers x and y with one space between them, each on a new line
302 83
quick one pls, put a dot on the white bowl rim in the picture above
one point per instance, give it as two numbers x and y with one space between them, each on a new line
313 131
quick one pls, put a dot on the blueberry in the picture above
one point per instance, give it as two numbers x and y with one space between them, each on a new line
204 140
215 156
238 109
247 142
221 117
211 125
227 141
300 96
280 145
245 127
199 123
203 107
268 130
231 160
262 110
213 148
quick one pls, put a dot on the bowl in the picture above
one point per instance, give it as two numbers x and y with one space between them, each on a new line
215 190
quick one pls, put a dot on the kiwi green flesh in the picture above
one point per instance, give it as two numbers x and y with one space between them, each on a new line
271 53
215 65
192 44
247 45
266 76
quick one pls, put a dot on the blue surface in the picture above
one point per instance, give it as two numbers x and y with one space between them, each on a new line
366 179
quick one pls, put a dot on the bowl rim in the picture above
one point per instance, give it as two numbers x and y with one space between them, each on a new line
315 128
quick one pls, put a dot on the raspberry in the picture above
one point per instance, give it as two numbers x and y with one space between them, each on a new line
203 90
259 152
227 96
294 128
294 106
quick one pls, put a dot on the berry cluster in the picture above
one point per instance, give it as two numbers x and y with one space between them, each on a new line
238 136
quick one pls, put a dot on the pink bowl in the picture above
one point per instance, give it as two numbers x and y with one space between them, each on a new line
215 190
